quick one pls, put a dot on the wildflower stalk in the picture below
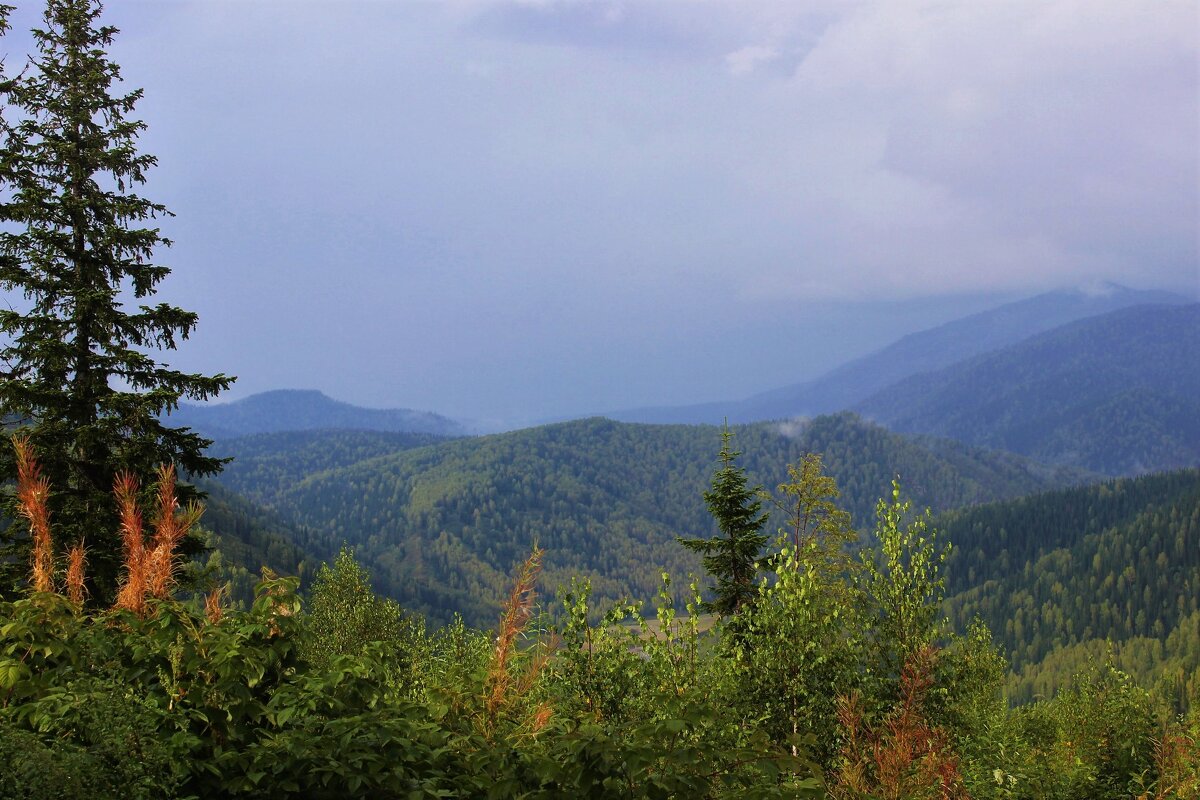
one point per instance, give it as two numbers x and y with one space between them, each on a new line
33 494
76 563
503 686
132 594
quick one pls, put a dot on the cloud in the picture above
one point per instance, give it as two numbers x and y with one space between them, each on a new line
793 428
747 59
562 199
479 69
605 24
990 145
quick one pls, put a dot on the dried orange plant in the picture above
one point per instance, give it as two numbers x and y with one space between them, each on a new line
504 688
904 757
150 570
33 494
76 566
214 609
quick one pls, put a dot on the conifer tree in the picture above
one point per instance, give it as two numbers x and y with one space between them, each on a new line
76 251
732 555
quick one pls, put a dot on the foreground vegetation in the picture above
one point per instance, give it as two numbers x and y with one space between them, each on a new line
833 677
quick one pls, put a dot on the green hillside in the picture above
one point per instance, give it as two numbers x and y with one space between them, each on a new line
441 526
1057 574
266 464
243 537
1116 394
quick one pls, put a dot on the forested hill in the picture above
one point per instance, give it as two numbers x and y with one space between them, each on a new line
302 410
1056 574
441 526
266 464
917 353
242 537
1117 394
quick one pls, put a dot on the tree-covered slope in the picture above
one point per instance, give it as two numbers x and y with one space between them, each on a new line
441 526
266 464
1116 394
917 353
302 410
1063 571
243 537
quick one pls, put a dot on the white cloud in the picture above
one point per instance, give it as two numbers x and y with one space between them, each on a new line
616 177
747 59
793 428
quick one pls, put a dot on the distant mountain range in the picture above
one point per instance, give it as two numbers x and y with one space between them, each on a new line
302 410
1115 399
1047 393
1117 393
852 383
442 525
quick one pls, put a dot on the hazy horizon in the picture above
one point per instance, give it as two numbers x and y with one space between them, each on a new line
521 210
493 425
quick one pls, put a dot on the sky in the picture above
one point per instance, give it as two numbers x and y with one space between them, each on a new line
511 211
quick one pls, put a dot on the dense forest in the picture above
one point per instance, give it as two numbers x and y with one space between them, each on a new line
440 525
837 677
265 465
1059 576
238 538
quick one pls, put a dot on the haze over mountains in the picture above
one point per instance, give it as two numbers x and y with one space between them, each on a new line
1103 380
1051 392
302 410
1118 393
924 351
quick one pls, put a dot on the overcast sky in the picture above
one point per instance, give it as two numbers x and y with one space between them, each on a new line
513 210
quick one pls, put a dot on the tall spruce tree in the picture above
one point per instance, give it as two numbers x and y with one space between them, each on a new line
76 245
731 556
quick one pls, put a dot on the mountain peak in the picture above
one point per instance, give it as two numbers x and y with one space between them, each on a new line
305 409
1101 289
919 352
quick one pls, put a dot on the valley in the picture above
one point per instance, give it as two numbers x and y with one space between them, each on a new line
440 521
517 400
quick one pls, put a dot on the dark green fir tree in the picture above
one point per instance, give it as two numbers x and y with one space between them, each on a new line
732 556
79 330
